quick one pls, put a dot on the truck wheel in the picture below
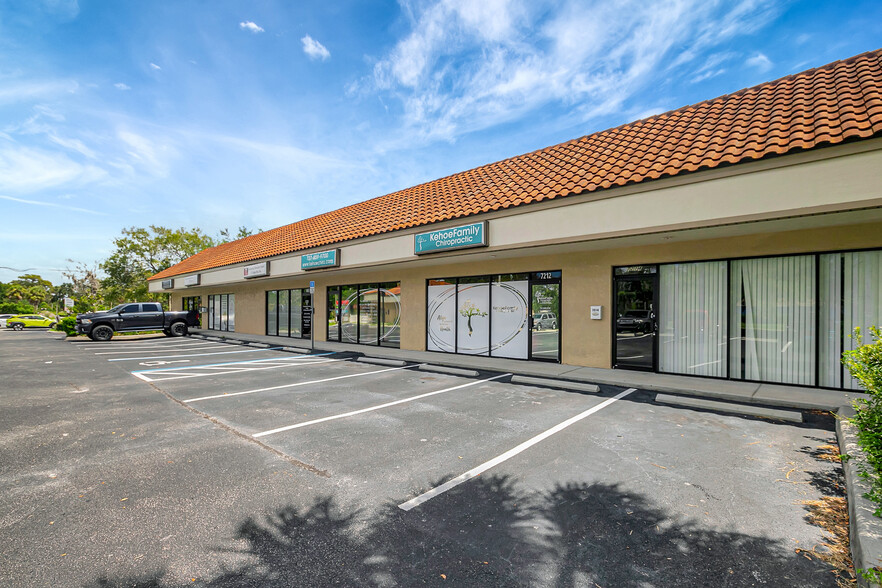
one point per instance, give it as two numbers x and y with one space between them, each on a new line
178 329
101 333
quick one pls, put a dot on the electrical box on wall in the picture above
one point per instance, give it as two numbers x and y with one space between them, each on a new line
595 313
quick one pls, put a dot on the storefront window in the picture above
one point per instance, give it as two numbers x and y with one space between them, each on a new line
369 314
511 315
473 312
285 310
284 313
390 313
850 297
333 314
693 327
222 312
773 319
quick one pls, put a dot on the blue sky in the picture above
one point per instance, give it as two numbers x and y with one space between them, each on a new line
261 113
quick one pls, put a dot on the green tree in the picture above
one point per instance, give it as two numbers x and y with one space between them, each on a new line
30 288
142 252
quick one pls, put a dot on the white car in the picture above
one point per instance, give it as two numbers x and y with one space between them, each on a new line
3 318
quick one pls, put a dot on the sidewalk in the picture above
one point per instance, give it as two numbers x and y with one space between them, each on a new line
746 392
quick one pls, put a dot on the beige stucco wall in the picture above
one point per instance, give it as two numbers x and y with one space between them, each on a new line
586 281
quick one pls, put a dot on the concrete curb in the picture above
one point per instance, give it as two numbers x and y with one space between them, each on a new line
864 528
441 369
379 361
295 350
554 383
791 416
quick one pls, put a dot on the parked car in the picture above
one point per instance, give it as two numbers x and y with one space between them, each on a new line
3 318
639 321
544 320
22 321
135 316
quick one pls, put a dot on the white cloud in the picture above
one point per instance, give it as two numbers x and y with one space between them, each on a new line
760 61
28 90
122 86
314 49
250 26
51 205
25 169
73 145
146 153
465 66
153 66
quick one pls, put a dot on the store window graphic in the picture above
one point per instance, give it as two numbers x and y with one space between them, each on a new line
481 316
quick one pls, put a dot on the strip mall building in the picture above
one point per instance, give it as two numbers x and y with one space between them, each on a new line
737 238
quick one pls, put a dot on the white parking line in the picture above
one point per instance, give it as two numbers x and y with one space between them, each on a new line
180 373
377 407
296 384
193 354
414 502
158 345
163 350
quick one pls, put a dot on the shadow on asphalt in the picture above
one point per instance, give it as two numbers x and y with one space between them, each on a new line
489 533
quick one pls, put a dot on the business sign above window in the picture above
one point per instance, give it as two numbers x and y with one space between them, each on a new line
474 235
191 280
320 260
256 270
168 284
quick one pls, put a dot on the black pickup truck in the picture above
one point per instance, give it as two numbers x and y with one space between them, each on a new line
135 316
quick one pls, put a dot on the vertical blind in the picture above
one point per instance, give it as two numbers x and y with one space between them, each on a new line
773 319
851 297
692 318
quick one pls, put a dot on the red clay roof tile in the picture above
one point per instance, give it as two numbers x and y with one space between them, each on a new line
827 105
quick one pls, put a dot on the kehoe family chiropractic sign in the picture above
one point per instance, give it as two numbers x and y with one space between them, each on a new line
473 235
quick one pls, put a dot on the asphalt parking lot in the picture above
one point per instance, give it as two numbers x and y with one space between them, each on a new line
235 465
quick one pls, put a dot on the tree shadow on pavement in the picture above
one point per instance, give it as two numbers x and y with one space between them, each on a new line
487 532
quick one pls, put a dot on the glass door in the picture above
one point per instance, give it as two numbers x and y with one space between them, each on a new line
545 318
636 303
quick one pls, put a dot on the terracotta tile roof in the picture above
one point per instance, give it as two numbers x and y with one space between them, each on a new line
825 106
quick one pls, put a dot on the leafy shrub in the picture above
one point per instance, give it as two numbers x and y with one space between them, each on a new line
68 324
16 308
865 365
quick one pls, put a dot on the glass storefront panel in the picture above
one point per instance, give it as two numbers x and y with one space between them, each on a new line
850 297
272 325
472 321
369 314
334 314
390 309
772 319
349 314
296 313
222 312
510 317
441 315
284 312
693 327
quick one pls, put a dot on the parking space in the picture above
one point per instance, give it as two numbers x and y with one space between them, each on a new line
432 445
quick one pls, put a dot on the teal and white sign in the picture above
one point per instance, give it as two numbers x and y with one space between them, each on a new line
474 235
312 261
